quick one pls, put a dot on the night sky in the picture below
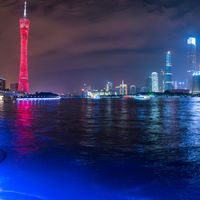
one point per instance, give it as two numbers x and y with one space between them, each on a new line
94 41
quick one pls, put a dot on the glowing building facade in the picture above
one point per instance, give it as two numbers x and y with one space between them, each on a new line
168 84
23 85
154 82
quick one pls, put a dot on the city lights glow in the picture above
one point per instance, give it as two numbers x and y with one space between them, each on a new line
169 52
191 41
197 73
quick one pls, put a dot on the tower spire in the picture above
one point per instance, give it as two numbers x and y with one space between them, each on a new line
25 12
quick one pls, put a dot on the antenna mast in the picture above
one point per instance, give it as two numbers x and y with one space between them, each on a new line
25 13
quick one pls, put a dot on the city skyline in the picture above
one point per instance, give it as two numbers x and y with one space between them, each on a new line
99 99
61 61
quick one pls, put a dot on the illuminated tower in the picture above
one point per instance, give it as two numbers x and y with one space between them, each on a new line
23 85
168 72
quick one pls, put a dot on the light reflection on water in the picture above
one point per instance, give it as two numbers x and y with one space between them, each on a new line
105 149
25 138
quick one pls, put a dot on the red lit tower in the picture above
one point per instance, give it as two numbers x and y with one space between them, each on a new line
23 85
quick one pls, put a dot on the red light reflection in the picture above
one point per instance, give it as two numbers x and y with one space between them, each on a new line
25 142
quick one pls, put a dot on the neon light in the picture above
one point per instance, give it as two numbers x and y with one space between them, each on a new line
23 85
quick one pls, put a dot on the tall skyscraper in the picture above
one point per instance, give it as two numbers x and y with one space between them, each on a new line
168 84
192 54
154 80
192 63
24 22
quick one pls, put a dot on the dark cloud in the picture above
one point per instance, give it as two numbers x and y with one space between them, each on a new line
76 41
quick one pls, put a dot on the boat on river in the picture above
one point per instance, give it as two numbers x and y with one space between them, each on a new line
141 97
39 96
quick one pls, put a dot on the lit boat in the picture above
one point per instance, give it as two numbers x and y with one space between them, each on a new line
39 96
141 97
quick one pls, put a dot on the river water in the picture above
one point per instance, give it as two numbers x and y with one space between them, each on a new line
109 149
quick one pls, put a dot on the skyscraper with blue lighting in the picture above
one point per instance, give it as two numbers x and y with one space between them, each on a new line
192 55
193 69
168 84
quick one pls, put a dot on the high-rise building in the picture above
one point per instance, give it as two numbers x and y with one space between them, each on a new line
191 61
168 84
23 85
192 54
154 80
196 83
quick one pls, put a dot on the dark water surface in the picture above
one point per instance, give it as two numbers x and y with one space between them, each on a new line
100 150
